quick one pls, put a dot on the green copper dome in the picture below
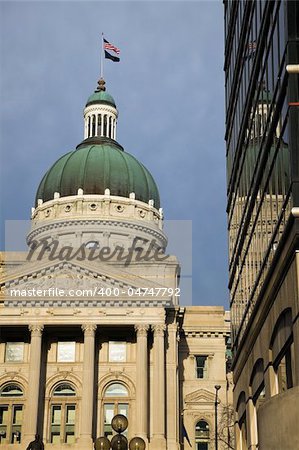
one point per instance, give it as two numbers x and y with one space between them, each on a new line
101 96
95 167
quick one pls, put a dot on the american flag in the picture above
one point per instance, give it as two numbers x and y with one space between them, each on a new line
109 46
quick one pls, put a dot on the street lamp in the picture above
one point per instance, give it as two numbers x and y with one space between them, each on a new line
217 387
119 424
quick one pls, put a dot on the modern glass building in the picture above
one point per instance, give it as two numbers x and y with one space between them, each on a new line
262 149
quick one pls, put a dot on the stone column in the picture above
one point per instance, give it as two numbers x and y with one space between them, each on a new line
251 420
158 409
30 424
142 381
172 403
270 382
238 443
88 386
90 125
102 124
97 124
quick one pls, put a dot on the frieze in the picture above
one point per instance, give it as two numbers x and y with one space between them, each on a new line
65 224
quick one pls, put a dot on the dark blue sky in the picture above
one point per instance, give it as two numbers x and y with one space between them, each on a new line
169 89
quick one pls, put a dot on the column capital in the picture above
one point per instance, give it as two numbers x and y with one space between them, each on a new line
89 329
35 329
159 329
141 329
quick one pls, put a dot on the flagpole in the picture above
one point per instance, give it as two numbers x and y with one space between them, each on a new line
102 60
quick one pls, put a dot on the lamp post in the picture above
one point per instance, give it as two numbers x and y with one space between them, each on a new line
119 424
217 387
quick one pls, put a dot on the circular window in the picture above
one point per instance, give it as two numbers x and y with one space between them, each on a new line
93 206
119 208
67 208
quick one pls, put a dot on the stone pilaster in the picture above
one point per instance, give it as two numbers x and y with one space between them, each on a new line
142 381
30 425
172 403
88 386
158 410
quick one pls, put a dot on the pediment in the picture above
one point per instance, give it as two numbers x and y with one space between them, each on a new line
69 275
200 396
51 278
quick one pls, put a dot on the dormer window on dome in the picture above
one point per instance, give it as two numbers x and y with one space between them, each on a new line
100 114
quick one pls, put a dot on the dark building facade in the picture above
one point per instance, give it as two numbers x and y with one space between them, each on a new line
262 138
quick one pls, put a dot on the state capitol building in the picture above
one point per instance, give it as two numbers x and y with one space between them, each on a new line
69 363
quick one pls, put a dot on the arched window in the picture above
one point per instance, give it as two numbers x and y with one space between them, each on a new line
99 125
202 435
11 390
241 410
115 401
105 126
110 127
282 346
116 390
258 392
93 125
63 407
64 389
257 383
11 413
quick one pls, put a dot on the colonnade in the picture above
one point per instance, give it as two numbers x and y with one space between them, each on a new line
102 125
159 389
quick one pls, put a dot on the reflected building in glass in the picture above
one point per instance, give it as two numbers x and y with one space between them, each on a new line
262 127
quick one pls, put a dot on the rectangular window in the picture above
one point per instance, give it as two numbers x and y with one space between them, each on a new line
108 416
55 424
201 366
66 351
17 415
70 424
3 423
14 351
117 351
122 408
202 446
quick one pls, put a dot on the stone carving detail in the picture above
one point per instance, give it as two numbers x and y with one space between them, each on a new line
200 396
141 329
159 329
89 329
36 329
69 278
